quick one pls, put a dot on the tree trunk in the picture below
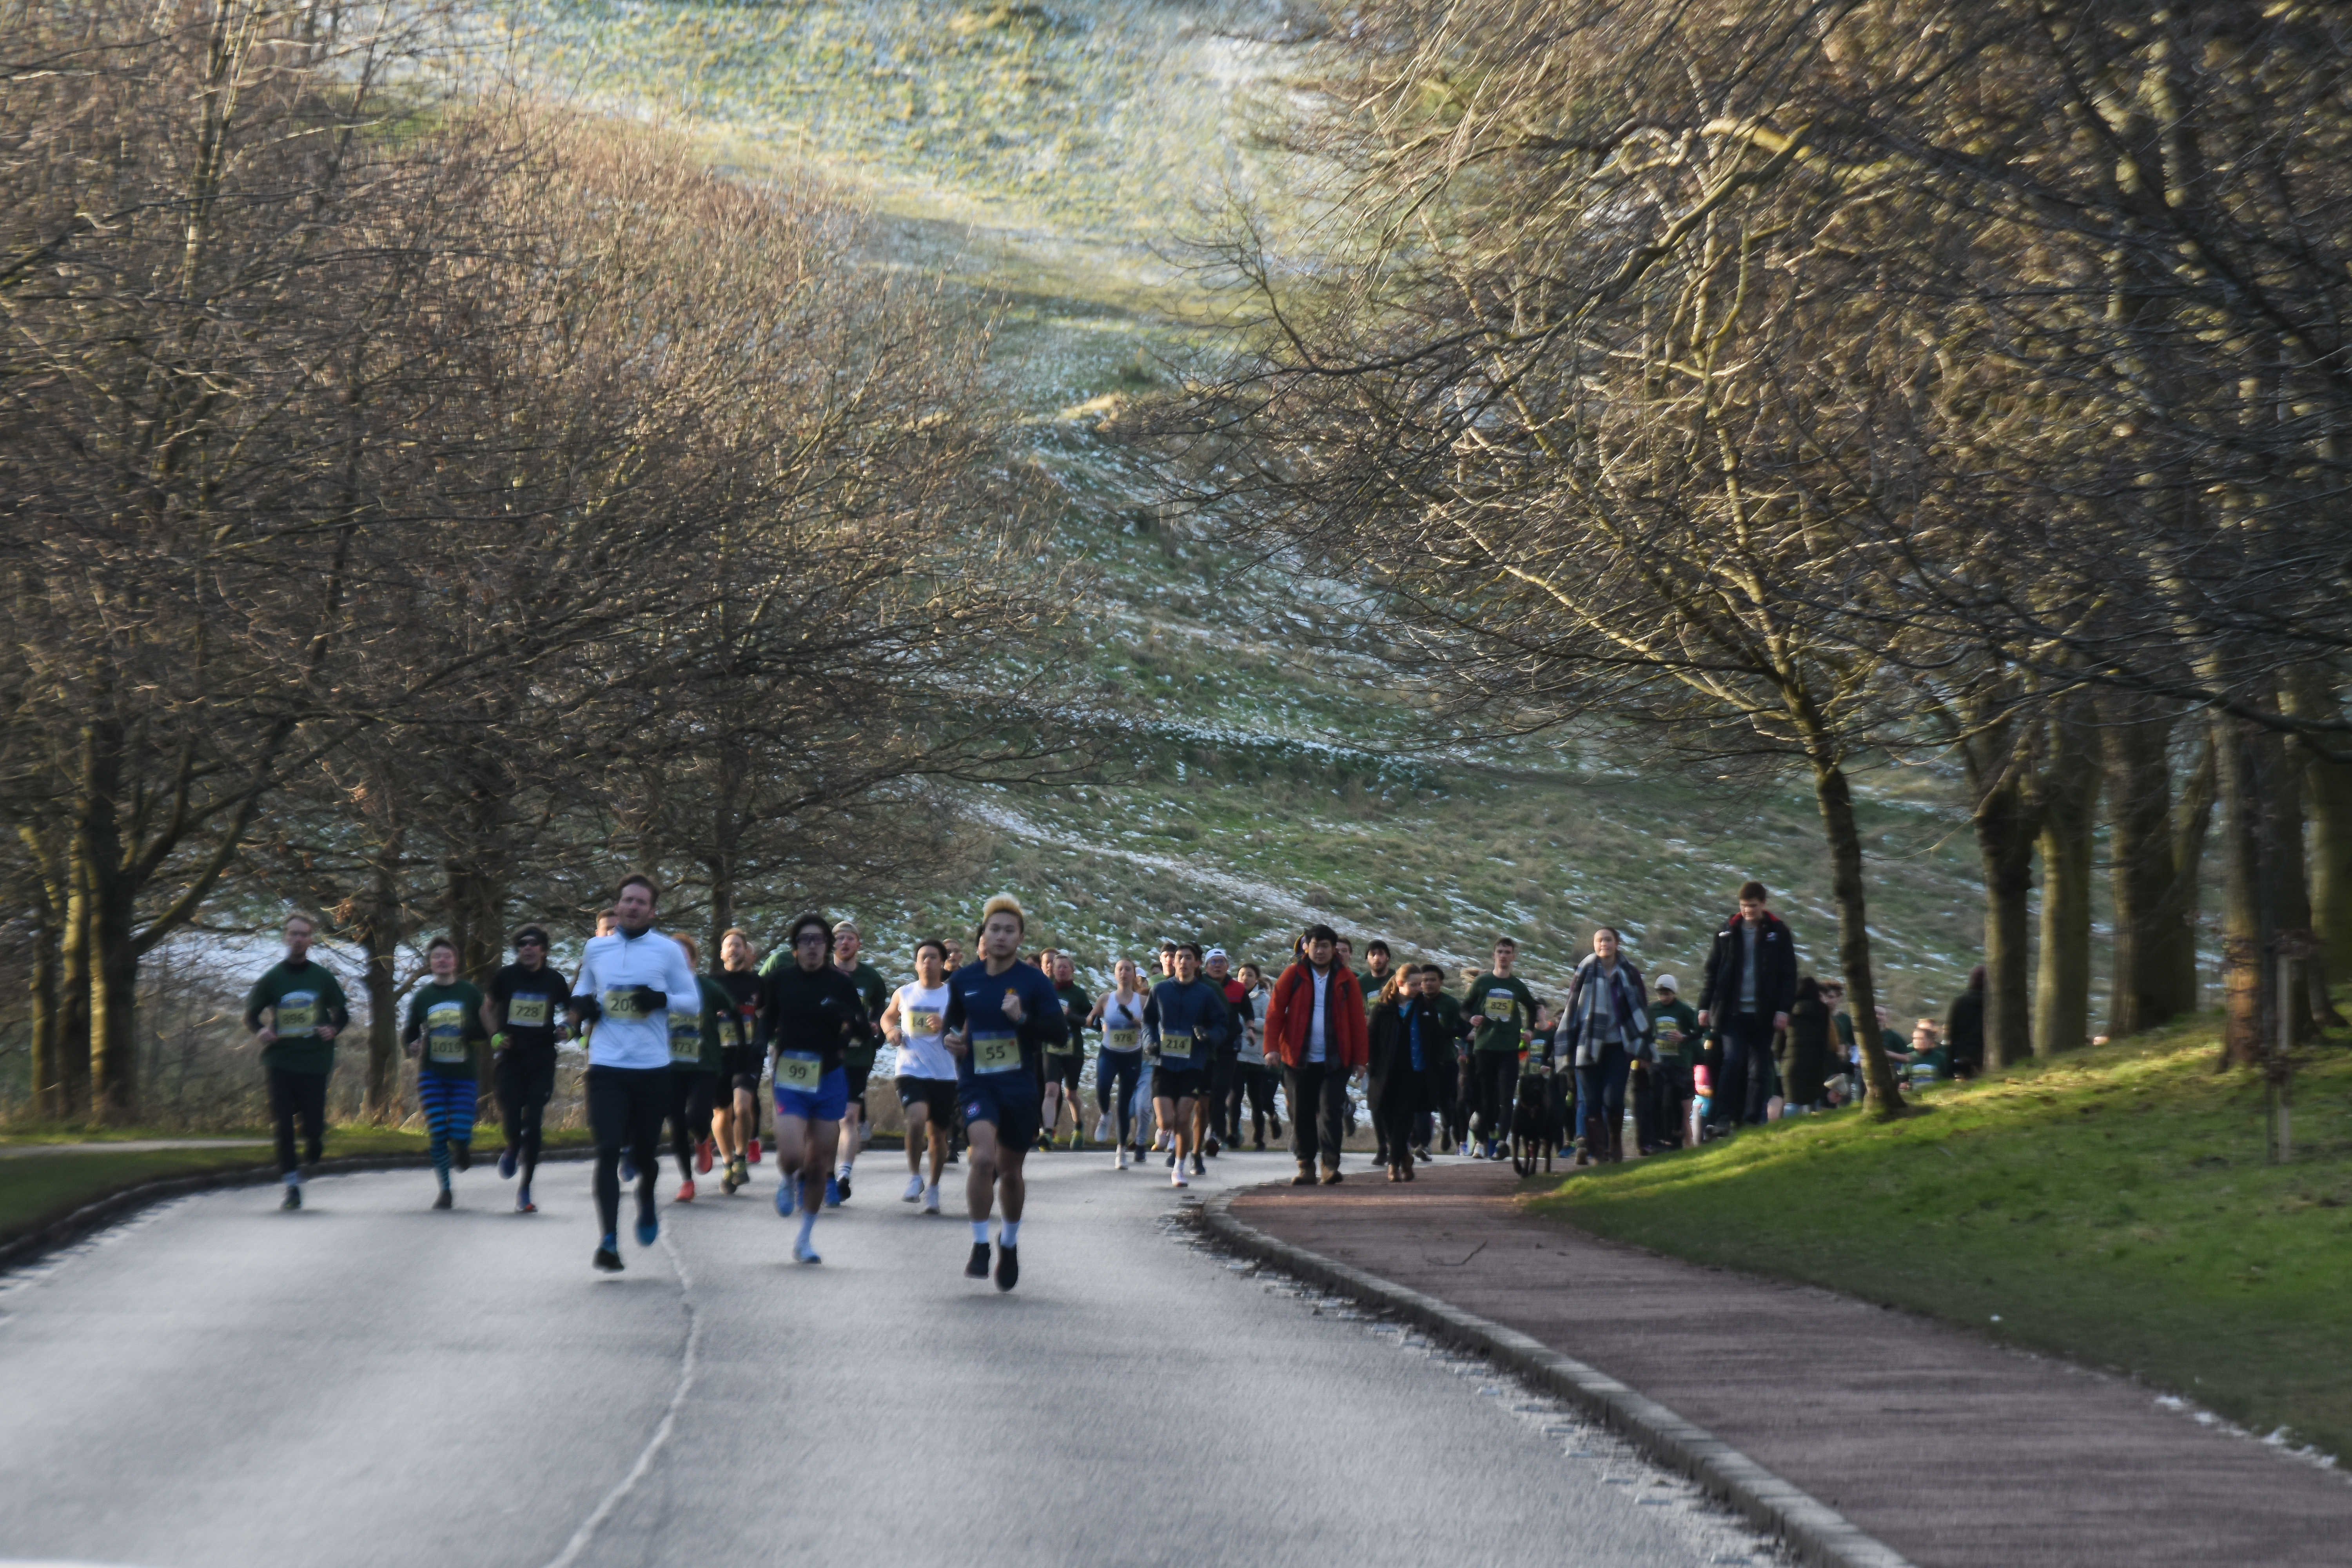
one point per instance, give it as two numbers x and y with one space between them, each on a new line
73 998
2005 839
2327 811
113 908
1835 797
2062 993
380 933
2263 892
46 1093
2135 740
2192 824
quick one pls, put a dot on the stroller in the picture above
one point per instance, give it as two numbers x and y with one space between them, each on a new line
1535 1117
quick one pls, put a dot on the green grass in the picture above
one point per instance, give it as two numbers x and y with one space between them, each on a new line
2114 1207
36 1189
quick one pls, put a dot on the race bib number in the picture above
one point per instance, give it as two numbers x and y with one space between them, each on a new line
1500 1007
297 1013
528 1011
1176 1047
995 1052
730 1031
685 1038
925 1023
444 1032
621 1005
1120 1039
801 1073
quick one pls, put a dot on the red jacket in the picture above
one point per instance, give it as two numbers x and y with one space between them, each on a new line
1290 1013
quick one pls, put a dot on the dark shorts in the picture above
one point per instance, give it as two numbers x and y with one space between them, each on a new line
854 1079
828 1102
1012 1104
739 1066
1178 1083
1064 1069
936 1095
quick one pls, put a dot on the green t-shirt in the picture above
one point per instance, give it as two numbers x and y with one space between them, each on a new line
1076 1005
300 1001
1667 1017
1504 1011
449 1019
695 1039
875 995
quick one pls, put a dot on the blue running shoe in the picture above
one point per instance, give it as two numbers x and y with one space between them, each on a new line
648 1232
507 1165
833 1192
804 1253
785 1204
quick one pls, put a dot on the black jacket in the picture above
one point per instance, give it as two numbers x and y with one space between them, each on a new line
1389 1050
1776 969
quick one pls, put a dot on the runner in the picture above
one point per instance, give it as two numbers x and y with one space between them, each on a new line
695 1058
623 991
1315 1026
1501 1010
1212 1133
809 1011
1119 1064
1001 1016
442 1030
1252 1079
524 1016
1066 1064
1445 1073
857 1058
1163 1138
736 1118
306 1011
1187 1019
926 1078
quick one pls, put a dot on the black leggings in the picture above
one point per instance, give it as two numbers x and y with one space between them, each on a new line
1116 1076
625 1110
293 1094
525 1080
691 1096
1499 1085
1253 1083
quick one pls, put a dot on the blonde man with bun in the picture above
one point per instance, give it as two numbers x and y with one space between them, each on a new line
1001 1014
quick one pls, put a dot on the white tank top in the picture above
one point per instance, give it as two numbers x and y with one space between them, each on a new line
922 1016
1123 1023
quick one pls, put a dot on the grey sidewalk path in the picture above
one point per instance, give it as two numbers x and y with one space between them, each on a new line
130 1146
1954 1451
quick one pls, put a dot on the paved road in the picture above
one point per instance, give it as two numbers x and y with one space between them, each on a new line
130 1146
367 1382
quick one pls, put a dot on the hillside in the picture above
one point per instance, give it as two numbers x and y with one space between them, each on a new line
1052 160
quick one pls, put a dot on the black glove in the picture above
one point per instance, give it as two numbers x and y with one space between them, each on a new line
587 1007
649 1000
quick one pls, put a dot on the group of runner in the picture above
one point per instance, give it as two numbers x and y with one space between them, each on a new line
989 1052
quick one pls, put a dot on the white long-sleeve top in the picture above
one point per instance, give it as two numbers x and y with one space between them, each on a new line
613 968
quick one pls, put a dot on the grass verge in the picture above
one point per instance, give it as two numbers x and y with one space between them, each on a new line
2114 1207
38 1189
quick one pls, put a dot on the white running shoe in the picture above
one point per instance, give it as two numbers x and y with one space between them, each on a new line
1176 1178
1102 1128
1119 1161
1161 1144
914 1192
930 1199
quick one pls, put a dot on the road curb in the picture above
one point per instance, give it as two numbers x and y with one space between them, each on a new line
32 1246
1815 1532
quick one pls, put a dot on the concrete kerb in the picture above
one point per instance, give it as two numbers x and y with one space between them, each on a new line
31 1246
1815 1532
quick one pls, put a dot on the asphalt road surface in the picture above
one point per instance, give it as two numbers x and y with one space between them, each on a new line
368 1381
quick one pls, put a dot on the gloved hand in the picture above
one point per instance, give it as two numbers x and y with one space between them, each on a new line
649 1000
587 1007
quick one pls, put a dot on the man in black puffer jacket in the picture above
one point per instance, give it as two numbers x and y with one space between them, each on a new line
1751 982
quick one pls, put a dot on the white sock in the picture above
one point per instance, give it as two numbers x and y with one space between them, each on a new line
980 1232
1011 1236
844 1169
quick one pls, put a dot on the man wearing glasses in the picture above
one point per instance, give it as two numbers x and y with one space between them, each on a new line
524 1013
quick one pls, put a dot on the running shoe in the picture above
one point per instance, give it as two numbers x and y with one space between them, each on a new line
976 1266
1200 1167
785 1204
914 1192
702 1158
1102 1128
1210 1151
833 1192
1176 1179
293 1199
685 1189
845 1186
1008 1268
930 1199
752 1154
804 1253
1274 1127
506 1164
727 1180
444 1201
523 1204
648 1232
1119 1161
607 1259
1044 1142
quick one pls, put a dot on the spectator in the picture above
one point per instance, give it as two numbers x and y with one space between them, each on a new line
1806 1053
1606 1023
1674 1035
1963 1028
1404 1041
1315 1027
1751 979
1849 1054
